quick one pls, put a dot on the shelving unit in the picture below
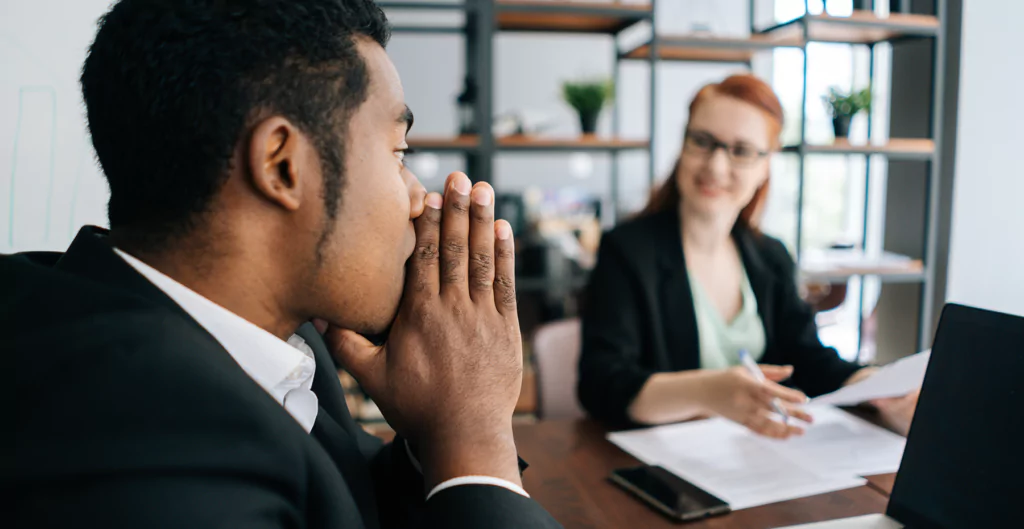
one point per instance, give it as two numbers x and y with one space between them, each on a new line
861 27
921 149
568 17
868 29
485 18
463 143
709 49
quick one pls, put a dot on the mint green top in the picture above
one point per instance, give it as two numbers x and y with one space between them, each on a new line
721 341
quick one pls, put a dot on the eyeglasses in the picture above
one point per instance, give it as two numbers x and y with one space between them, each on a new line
704 144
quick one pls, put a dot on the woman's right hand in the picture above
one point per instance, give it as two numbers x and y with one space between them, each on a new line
736 395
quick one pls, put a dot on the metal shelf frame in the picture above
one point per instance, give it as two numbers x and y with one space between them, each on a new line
482 24
927 276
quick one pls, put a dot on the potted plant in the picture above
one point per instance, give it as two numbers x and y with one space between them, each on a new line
843 106
588 98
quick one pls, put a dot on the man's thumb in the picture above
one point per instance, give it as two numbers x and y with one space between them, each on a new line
359 356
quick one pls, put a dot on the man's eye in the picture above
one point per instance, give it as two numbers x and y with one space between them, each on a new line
402 153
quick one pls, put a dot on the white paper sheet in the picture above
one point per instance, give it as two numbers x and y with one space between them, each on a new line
870 521
841 444
746 470
893 380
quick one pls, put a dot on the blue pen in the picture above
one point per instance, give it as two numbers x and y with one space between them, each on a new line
749 363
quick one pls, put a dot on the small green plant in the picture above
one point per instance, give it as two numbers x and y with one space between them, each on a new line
842 104
588 97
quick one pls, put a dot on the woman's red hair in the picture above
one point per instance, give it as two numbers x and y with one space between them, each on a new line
746 88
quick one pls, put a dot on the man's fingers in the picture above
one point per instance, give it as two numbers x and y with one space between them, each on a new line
481 244
505 269
455 235
424 264
776 373
358 356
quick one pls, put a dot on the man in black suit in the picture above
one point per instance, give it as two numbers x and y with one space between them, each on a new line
254 152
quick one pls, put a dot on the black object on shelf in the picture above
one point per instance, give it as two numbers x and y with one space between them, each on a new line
512 208
588 121
841 126
467 107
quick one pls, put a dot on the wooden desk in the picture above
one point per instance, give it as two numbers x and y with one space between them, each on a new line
883 483
570 462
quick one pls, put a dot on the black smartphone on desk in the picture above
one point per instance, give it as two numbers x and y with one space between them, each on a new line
675 497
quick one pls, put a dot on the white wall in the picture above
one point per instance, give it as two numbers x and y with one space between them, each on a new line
987 248
49 181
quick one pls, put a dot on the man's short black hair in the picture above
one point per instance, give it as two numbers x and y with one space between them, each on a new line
170 86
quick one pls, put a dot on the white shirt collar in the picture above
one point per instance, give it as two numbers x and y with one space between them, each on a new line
283 369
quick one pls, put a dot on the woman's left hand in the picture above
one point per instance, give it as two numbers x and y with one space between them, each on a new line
898 412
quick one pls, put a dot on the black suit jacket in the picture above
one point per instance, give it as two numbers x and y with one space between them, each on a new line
639 317
129 414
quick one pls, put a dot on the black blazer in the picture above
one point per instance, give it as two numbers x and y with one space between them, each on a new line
639 318
127 413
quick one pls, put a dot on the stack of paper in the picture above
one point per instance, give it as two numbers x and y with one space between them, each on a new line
894 380
746 470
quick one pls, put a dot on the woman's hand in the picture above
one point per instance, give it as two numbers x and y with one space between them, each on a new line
736 395
897 413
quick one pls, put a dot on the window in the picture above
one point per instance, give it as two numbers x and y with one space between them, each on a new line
834 185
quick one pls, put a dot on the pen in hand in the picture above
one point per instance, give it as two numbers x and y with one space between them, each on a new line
755 371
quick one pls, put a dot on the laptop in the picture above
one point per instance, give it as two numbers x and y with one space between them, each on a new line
963 465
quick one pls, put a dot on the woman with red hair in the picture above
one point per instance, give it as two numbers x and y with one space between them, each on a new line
681 290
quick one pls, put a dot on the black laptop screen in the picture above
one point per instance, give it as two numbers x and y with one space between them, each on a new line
964 462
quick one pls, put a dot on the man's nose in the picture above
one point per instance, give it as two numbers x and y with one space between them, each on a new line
416 193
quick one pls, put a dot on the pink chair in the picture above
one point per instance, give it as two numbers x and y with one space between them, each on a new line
556 353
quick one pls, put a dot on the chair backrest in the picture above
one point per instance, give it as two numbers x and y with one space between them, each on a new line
556 352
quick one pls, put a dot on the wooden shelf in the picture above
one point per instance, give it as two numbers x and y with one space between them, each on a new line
862 27
466 142
709 49
839 265
580 143
568 17
470 142
886 275
423 6
895 149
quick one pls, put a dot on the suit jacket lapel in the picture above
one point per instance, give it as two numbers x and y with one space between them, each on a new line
680 324
344 450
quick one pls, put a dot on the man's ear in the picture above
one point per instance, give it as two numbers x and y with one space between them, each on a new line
273 157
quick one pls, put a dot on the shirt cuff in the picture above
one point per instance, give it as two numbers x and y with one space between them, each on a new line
464 480
478 480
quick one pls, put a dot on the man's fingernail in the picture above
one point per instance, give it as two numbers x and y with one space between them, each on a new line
504 231
462 184
434 200
482 195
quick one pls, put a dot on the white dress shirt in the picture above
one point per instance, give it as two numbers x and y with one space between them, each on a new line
283 369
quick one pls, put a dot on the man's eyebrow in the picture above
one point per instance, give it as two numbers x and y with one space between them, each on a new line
406 118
